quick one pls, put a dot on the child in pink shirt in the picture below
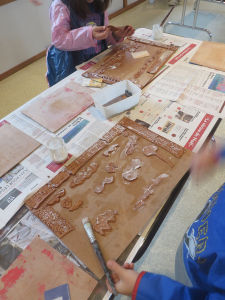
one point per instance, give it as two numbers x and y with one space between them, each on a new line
79 32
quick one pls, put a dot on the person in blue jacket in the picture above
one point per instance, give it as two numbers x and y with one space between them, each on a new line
200 261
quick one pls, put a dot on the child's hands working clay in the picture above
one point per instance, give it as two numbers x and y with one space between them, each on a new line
124 277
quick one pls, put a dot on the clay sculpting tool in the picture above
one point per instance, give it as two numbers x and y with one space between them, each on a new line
95 245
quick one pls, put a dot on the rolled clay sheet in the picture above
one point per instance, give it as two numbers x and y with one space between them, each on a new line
113 91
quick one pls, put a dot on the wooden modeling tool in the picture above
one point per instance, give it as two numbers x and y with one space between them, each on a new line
88 228
167 16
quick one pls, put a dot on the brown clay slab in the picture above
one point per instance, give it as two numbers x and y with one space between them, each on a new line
120 150
60 106
120 63
211 55
40 268
14 147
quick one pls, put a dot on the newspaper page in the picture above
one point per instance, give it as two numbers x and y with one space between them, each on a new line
184 125
192 86
14 187
148 109
206 100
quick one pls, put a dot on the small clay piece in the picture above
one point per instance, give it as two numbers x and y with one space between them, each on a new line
113 28
66 202
60 193
87 155
131 173
149 191
102 221
88 172
130 146
150 150
40 196
112 149
83 174
149 135
125 133
94 166
141 200
54 221
76 180
99 189
60 178
54 200
157 180
111 167
76 205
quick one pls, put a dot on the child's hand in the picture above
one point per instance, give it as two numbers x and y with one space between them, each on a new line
100 32
204 162
123 277
123 31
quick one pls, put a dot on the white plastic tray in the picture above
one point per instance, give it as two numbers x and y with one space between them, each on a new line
108 93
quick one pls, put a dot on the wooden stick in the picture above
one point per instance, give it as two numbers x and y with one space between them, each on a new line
167 16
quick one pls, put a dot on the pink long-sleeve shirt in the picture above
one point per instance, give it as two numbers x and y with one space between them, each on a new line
66 39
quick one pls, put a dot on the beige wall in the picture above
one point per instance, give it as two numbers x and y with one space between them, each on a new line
25 31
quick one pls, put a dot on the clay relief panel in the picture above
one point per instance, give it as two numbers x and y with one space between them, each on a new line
119 183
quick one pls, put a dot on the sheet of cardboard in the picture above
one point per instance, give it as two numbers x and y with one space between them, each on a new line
14 147
39 268
211 55
60 106
124 62
121 195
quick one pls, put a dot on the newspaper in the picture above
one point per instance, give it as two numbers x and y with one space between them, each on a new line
14 187
192 86
184 125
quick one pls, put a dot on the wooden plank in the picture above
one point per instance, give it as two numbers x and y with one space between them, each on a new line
211 55
59 106
14 147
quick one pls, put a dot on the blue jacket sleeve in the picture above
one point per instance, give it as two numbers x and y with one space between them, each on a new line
151 286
